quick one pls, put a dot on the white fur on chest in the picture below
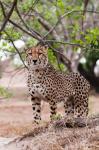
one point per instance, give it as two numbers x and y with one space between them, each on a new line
38 89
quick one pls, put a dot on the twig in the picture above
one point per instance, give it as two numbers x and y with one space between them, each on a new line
62 42
19 27
13 75
32 7
46 25
27 27
66 14
66 61
16 49
53 28
2 7
25 31
8 16
85 6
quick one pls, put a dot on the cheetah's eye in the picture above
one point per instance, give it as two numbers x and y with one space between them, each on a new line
40 53
30 53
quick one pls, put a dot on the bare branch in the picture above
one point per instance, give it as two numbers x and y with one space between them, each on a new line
8 16
27 27
33 34
32 6
16 49
63 58
85 6
62 42
25 31
66 14
46 25
2 7
62 22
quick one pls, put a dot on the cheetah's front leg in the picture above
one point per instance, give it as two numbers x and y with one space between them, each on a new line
36 106
53 107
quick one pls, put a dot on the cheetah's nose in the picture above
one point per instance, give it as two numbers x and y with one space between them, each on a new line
34 61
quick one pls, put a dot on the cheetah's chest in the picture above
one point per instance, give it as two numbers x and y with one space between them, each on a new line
37 88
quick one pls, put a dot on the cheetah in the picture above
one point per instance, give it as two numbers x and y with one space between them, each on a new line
48 84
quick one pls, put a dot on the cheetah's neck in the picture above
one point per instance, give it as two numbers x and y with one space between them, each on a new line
43 71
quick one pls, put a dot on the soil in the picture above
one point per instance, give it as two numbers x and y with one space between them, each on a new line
16 116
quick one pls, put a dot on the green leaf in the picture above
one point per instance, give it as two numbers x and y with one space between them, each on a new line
5 93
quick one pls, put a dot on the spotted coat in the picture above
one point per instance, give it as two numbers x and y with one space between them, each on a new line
48 84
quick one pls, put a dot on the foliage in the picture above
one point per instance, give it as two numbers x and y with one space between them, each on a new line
5 93
53 60
92 52
76 26
56 117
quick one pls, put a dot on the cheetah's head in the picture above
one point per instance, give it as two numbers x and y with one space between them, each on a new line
37 57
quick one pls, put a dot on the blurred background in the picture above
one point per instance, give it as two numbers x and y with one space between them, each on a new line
71 30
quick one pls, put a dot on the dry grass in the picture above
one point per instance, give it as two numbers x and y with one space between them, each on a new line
47 137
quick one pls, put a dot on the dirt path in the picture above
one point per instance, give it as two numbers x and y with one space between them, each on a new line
16 118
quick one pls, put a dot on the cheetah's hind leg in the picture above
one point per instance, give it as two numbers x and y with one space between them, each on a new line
68 119
69 106
76 110
81 105
69 112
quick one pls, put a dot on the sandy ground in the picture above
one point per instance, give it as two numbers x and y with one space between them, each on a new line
16 116
16 120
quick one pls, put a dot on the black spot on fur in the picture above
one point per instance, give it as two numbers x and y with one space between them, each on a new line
38 110
33 108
